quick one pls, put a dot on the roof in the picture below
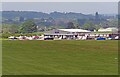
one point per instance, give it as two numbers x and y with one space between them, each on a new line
74 30
107 29
57 34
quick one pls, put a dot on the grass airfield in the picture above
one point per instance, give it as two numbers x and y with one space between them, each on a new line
67 57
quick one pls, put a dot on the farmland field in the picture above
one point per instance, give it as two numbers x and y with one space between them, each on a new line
60 57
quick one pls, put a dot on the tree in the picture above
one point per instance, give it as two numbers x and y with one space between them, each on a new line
72 25
13 29
76 24
86 26
89 26
97 26
9 28
5 28
28 27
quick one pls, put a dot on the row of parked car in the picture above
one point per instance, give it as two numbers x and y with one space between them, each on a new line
26 38
42 37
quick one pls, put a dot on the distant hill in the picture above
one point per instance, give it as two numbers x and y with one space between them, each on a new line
59 19
32 14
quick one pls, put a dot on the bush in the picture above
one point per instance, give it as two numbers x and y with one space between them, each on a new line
6 35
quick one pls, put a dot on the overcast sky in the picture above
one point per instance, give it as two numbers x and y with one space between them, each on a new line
47 7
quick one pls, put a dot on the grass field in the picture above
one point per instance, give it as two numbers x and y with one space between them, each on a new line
60 57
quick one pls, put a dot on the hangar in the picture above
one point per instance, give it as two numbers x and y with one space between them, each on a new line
58 34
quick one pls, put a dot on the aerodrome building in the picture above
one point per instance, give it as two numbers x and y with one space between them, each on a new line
59 34
80 34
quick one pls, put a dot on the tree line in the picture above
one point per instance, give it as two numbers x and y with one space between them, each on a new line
26 27
29 26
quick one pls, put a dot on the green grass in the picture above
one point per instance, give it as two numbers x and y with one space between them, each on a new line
102 32
38 33
0 57
3 39
60 57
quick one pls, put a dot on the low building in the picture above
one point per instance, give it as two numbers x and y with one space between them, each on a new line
111 29
58 34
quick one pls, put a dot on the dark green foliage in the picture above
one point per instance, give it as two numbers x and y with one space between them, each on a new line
89 26
73 25
28 27
6 35
10 28
70 25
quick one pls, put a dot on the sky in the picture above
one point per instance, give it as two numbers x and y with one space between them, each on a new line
78 7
